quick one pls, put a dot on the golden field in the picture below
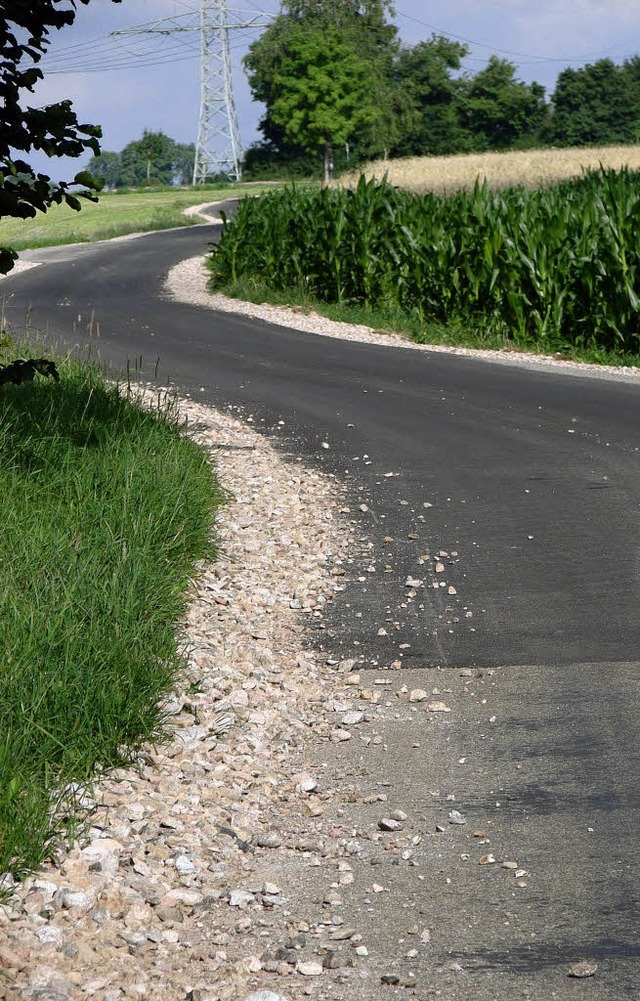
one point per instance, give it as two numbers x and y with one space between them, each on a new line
532 168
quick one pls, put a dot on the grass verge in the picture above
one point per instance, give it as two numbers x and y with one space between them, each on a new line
412 328
115 214
106 509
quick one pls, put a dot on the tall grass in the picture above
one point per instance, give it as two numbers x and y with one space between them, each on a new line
105 509
556 268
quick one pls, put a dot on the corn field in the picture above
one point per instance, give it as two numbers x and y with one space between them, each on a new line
554 267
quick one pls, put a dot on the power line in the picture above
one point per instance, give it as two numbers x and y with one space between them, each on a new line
509 52
98 55
218 147
128 61
121 67
125 61
117 55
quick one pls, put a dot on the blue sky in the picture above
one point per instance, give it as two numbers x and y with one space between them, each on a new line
154 80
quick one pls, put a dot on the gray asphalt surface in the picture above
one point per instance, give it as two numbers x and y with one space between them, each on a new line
533 477
529 483
532 759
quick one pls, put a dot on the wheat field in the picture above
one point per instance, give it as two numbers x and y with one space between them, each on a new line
532 168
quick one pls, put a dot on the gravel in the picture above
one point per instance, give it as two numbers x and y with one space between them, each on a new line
167 890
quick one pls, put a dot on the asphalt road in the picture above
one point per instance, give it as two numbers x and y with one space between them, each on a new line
523 485
533 478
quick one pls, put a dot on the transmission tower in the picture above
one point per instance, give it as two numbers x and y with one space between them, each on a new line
218 148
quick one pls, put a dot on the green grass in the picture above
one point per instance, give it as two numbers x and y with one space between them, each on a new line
115 214
551 270
106 509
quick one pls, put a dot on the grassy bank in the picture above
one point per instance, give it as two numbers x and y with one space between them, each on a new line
115 214
106 508
552 270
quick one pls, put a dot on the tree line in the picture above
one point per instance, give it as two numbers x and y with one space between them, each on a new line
155 158
336 81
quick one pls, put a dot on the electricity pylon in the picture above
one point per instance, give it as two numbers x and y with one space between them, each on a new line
219 148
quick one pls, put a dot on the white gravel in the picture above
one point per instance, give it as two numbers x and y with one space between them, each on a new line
168 889
19 267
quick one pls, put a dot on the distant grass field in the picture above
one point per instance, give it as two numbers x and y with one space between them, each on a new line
114 214
534 168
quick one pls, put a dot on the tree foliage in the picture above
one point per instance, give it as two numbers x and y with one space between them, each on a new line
155 158
363 26
599 103
322 93
426 102
424 72
497 109
25 32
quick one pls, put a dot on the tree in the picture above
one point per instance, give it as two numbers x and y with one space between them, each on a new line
154 148
599 103
424 72
25 29
155 158
631 75
106 167
183 161
363 25
322 93
498 109
148 160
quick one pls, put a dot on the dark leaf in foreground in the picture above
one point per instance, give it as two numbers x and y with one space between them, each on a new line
24 370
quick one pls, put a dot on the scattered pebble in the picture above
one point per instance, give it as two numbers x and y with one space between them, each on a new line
390 979
342 934
352 718
418 695
584 968
265 996
455 817
239 897
309 969
399 815
268 839
389 824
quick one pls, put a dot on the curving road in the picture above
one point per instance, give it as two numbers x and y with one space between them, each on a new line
522 485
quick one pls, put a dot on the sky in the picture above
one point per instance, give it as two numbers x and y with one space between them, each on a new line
127 83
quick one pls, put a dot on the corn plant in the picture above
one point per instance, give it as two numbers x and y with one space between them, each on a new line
555 267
